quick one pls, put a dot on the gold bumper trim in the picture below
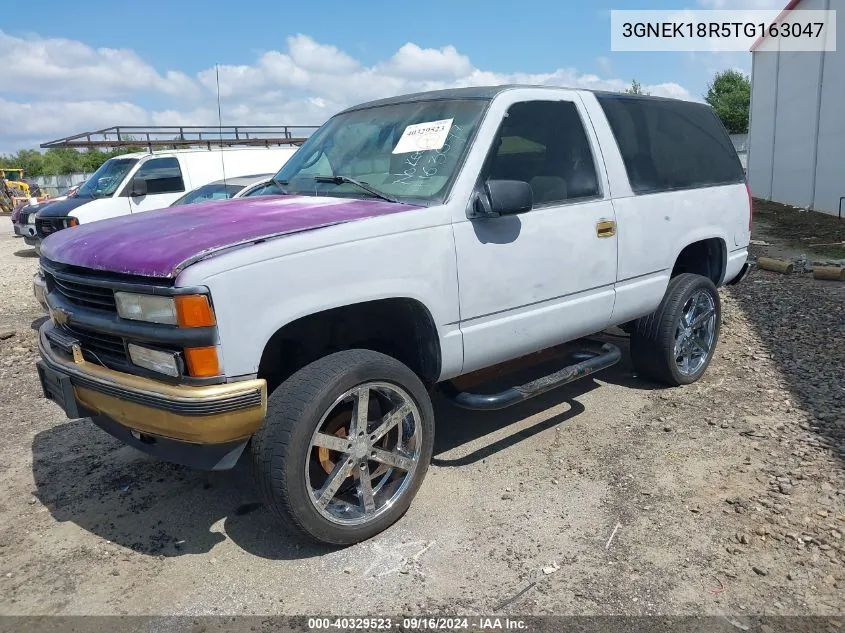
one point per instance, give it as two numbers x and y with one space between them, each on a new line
156 408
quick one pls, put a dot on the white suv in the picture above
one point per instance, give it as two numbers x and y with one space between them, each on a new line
417 239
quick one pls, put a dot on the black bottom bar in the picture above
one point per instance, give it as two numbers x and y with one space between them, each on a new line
594 357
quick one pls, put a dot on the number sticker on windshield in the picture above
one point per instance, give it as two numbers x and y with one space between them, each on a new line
422 137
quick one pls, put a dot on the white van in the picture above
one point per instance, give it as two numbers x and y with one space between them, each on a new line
144 181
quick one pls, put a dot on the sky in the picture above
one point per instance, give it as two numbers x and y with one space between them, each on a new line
73 67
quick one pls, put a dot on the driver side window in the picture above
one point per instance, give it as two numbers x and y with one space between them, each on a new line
544 144
163 175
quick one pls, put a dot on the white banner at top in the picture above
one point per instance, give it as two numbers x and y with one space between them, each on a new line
722 30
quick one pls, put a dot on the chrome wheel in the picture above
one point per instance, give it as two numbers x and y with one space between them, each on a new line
696 333
363 453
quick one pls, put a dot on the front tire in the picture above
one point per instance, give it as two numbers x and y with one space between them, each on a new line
675 343
345 446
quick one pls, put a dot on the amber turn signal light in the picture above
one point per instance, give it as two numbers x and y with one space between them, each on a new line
72 221
202 361
194 311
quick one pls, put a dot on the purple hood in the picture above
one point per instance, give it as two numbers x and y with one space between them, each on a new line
161 243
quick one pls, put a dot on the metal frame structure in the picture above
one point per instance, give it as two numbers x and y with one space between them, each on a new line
183 136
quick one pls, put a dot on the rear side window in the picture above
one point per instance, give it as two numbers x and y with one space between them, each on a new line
669 145
162 175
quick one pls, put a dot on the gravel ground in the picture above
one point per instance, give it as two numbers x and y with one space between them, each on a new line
610 496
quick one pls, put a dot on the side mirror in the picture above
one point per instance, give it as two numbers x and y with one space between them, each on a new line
504 197
139 188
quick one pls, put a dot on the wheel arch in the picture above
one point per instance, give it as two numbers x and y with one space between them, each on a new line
705 255
402 327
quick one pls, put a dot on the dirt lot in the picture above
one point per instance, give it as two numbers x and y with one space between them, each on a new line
611 496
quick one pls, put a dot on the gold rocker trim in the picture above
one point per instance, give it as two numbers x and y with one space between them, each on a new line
212 414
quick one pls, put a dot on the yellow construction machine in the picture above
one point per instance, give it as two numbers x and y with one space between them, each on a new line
15 190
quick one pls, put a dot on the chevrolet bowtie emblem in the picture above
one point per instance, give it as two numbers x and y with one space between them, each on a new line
60 316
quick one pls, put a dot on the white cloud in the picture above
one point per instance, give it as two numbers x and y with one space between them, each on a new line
413 61
310 55
65 86
48 119
58 67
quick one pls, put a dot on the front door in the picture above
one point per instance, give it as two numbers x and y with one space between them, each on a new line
165 184
536 279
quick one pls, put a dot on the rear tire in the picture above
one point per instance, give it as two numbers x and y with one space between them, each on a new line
313 438
675 344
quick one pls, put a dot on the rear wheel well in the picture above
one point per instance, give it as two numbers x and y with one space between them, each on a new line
706 257
402 328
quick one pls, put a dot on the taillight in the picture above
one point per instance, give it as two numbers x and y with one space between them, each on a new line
750 206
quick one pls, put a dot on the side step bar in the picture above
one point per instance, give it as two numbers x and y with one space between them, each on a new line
595 357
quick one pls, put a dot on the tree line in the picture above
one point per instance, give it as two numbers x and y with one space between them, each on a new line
729 94
60 161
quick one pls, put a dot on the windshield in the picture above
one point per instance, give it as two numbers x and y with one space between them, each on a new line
214 191
407 150
107 178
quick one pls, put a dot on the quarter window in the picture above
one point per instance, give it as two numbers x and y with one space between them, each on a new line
669 144
162 175
544 144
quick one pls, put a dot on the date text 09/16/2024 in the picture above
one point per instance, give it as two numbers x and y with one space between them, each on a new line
417 624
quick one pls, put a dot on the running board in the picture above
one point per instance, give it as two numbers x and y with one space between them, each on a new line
594 357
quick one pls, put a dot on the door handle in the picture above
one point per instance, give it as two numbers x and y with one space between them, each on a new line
605 228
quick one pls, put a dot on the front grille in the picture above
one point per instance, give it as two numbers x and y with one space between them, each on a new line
82 294
48 226
105 348
88 298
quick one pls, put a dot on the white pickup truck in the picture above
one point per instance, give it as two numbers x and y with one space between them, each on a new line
416 239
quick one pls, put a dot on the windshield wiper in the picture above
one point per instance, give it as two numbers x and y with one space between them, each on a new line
338 180
281 184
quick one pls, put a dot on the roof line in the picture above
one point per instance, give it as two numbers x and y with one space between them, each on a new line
789 7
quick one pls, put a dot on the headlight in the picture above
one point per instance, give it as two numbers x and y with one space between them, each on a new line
151 308
181 310
30 219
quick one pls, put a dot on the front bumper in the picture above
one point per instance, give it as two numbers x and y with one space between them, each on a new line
26 231
202 427
33 241
39 289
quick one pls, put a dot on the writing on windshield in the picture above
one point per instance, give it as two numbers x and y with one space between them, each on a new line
409 150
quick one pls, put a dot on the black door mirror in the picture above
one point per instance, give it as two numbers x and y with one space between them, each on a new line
504 197
139 188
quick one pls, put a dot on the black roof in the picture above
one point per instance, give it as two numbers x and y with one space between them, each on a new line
483 92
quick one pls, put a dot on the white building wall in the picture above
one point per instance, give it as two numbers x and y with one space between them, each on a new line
797 134
795 127
830 169
761 133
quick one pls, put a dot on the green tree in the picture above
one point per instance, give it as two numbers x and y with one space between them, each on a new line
636 88
62 160
729 94
30 160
